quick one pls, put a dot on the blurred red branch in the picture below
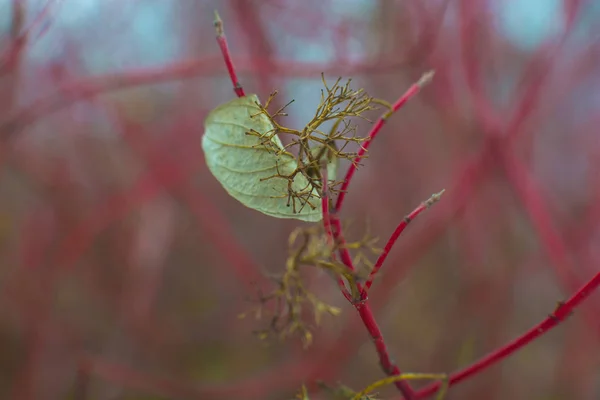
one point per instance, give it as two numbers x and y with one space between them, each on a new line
539 71
258 42
71 92
133 379
283 377
361 305
114 208
472 18
207 215
20 36
388 366
41 22
36 243
538 212
10 59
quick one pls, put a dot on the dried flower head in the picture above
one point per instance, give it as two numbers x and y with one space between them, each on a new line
290 303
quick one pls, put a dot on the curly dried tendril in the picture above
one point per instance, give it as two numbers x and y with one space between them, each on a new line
245 163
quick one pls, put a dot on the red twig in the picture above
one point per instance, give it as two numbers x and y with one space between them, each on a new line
200 207
222 41
362 306
550 238
20 35
364 310
36 242
560 314
399 229
10 59
410 93
41 21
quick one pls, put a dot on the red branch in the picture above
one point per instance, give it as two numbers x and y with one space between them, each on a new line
388 366
222 41
20 35
73 91
561 312
362 306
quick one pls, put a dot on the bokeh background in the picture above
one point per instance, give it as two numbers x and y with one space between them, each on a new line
125 265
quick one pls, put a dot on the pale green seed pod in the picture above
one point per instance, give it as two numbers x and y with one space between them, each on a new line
239 161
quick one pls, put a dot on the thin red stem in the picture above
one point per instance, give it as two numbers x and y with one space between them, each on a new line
399 229
388 366
341 241
327 227
563 311
20 35
410 93
222 41
362 305
73 91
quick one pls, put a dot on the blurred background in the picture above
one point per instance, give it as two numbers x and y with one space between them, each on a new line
125 265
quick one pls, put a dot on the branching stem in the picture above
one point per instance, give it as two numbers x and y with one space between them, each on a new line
397 232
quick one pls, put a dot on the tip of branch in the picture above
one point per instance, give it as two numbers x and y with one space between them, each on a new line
434 198
218 24
426 78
